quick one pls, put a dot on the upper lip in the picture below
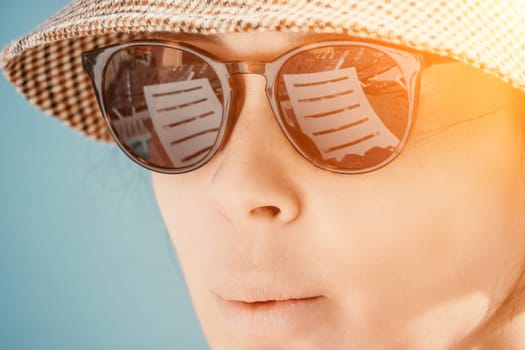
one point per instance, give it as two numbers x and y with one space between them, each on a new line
260 291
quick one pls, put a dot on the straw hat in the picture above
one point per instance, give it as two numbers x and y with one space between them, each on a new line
45 65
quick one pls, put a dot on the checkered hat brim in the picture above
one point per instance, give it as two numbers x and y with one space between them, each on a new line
45 66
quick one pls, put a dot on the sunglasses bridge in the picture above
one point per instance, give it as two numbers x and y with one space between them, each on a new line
235 67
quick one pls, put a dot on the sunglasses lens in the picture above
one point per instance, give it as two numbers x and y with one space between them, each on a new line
164 105
344 107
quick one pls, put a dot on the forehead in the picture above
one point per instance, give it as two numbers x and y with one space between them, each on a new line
252 45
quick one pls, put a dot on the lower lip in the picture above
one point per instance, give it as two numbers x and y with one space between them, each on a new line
275 316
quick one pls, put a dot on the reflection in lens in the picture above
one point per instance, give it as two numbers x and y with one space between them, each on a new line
344 106
164 104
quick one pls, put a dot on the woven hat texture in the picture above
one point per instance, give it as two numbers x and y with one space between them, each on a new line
46 67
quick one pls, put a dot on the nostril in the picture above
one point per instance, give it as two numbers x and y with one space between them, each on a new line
267 210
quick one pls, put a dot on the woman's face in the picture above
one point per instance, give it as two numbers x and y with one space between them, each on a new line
279 254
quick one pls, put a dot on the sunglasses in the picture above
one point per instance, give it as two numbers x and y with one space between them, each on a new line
345 106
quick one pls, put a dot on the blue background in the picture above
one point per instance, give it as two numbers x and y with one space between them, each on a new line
85 260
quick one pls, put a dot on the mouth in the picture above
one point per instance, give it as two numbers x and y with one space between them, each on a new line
279 315
256 305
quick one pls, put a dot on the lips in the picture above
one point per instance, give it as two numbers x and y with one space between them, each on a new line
264 294
261 303
269 305
262 308
264 318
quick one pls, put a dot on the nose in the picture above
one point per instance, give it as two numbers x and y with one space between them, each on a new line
254 178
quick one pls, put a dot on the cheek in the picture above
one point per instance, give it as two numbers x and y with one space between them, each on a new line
433 223
186 212
200 234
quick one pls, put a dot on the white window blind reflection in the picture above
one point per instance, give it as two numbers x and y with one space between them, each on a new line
333 110
186 116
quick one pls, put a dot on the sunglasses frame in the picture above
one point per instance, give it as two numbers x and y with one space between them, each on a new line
95 63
